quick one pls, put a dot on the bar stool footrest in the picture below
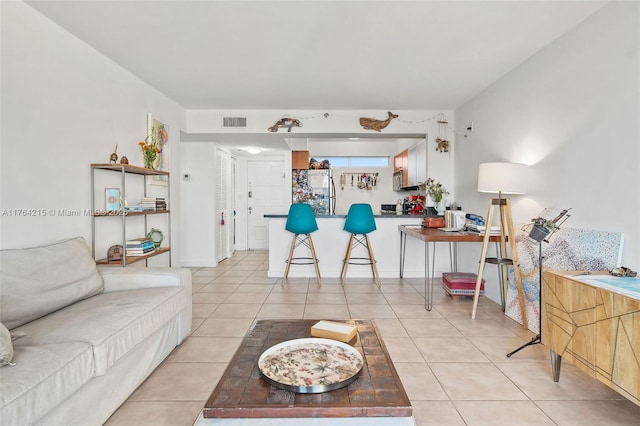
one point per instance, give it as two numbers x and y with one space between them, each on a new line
359 261
302 261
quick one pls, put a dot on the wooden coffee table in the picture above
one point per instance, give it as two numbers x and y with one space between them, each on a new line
242 393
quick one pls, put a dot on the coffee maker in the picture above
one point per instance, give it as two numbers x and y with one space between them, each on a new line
413 205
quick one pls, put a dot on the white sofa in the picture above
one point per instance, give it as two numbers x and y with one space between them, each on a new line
91 335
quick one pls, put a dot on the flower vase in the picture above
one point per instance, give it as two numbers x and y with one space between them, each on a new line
439 206
149 162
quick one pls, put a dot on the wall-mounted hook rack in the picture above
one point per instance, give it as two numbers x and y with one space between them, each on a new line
363 180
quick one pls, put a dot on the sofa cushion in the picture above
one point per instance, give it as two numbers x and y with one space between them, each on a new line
6 347
112 323
37 281
42 377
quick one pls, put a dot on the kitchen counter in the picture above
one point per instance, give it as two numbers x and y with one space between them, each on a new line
330 242
342 216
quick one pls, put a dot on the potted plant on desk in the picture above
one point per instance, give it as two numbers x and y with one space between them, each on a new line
436 192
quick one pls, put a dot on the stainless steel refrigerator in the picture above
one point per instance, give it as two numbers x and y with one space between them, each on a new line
316 188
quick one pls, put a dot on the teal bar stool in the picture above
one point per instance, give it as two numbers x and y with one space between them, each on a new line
359 223
301 222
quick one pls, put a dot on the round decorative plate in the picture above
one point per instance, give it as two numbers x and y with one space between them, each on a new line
156 236
310 365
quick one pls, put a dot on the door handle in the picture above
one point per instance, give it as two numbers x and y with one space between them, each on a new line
249 210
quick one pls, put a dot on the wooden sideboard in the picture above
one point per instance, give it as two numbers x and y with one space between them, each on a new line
596 329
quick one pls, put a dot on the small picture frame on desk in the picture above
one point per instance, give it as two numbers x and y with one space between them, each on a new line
112 199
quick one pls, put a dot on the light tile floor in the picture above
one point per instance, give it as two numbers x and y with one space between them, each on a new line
454 369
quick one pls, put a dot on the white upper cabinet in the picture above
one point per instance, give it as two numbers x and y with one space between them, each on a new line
421 161
417 164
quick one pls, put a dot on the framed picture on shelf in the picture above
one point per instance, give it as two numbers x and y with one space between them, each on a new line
159 137
112 199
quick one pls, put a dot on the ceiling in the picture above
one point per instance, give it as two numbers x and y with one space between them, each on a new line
321 55
318 55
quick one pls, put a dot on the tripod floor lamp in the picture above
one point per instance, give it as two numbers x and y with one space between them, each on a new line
501 178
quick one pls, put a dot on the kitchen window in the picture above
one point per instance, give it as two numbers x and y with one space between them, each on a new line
356 161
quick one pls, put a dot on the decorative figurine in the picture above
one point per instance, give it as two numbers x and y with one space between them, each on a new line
285 122
377 125
115 253
441 140
443 145
114 157
124 160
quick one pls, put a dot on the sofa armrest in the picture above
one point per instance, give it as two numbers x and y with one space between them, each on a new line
119 279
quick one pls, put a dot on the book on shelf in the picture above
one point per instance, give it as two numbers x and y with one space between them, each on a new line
138 247
153 203
139 241
138 252
334 330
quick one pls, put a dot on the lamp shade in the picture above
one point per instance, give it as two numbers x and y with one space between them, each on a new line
508 178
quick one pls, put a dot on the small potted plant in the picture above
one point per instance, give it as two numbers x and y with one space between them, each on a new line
542 228
436 192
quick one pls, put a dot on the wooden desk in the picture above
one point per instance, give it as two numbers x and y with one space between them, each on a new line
434 235
242 393
591 324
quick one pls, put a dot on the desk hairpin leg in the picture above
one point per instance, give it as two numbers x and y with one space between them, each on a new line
452 266
453 256
428 277
428 281
403 246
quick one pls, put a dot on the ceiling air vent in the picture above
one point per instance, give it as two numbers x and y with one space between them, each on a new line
234 121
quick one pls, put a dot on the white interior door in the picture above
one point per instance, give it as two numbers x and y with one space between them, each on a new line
233 207
223 219
267 192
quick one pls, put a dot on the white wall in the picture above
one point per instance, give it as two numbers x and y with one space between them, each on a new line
314 121
197 200
64 106
197 203
572 113
440 165
382 193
